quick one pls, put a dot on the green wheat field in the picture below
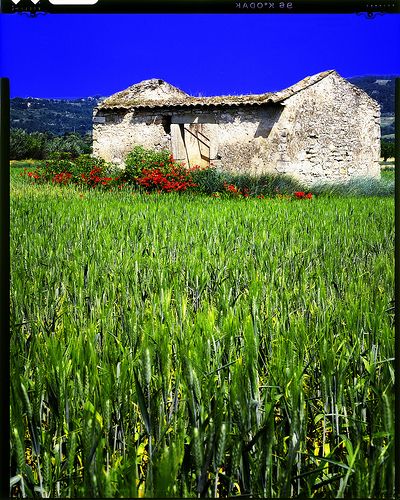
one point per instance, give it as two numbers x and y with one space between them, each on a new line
189 346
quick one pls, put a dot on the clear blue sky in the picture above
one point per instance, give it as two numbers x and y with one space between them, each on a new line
71 56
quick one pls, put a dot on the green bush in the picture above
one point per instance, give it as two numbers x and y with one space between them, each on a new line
141 159
208 180
41 146
158 171
387 150
85 164
63 168
61 161
68 145
23 145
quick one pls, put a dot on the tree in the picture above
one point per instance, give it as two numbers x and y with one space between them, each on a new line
40 145
18 144
387 150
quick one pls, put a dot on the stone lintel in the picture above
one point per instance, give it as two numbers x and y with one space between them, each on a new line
193 118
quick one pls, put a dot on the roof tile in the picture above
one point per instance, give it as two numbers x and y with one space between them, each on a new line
156 93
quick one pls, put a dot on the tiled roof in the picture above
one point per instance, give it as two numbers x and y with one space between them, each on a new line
131 98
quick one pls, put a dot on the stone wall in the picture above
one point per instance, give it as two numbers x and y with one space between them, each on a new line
332 133
237 137
117 132
243 138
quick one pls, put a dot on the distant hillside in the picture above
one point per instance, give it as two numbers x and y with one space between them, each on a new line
54 115
65 115
381 88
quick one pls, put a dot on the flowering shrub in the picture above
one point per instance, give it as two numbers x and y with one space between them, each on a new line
142 160
281 197
159 180
157 172
97 179
82 171
63 178
60 162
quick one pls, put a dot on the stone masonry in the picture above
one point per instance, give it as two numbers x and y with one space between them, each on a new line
320 129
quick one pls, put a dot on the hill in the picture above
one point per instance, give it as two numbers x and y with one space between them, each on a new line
382 89
59 116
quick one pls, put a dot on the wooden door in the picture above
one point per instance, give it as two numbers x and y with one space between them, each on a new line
197 144
191 141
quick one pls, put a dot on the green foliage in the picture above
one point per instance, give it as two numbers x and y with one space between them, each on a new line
152 171
64 162
269 184
187 347
208 180
71 143
387 150
23 145
28 164
141 159
85 171
41 146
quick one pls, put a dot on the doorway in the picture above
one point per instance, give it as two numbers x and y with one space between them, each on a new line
192 139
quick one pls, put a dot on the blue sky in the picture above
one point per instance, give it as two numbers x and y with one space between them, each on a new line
72 55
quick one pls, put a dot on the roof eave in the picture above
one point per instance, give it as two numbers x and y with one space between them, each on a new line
134 107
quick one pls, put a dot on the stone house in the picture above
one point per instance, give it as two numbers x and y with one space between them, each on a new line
321 129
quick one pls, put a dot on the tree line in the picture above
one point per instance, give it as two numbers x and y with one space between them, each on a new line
41 145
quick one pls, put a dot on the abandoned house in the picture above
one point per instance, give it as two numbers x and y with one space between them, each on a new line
321 129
